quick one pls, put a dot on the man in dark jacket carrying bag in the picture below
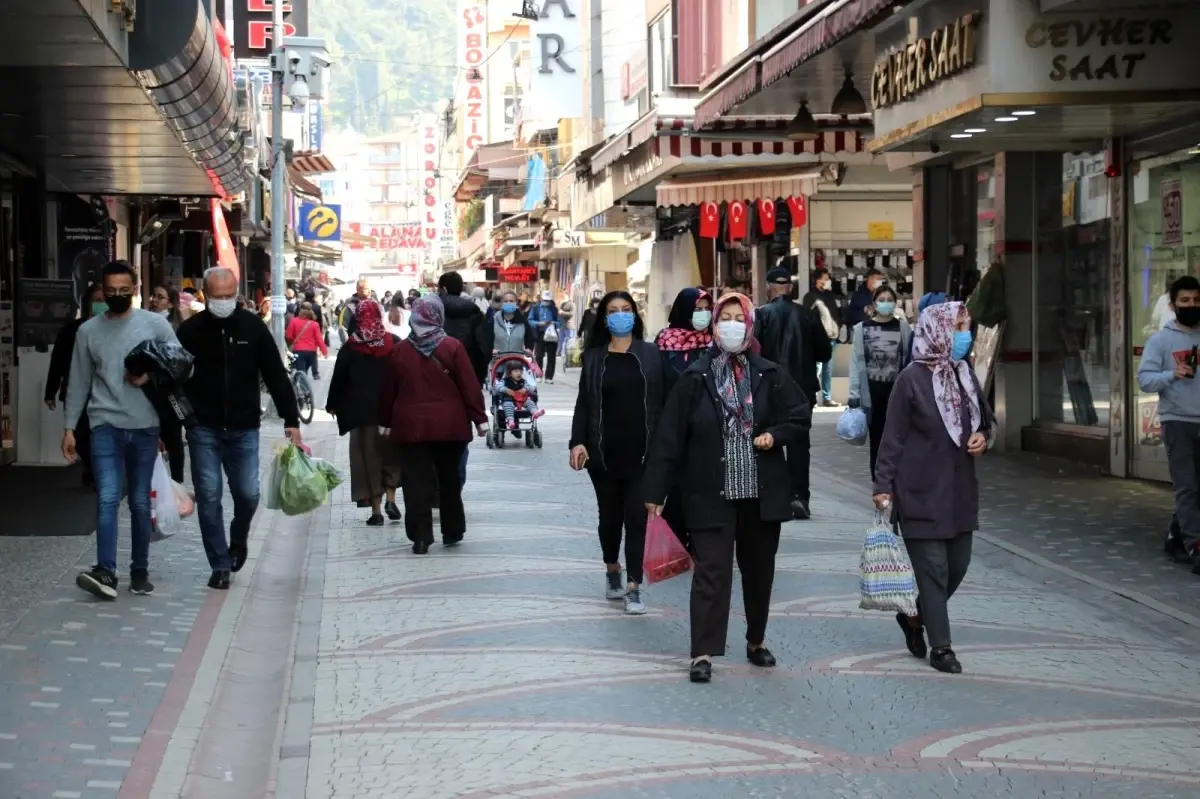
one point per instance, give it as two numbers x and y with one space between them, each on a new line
792 337
233 349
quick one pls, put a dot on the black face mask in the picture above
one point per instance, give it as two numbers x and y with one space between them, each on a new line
1188 316
119 304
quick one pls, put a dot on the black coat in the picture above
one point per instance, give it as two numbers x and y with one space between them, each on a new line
464 322
791 336
355 388
60 360
585 423
690 444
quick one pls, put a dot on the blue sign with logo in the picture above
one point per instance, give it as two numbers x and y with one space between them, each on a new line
320 222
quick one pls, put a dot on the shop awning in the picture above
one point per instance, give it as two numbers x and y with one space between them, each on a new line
748 186
302 185
701 147
311 162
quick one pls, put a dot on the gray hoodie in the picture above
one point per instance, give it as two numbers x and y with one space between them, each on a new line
1178 399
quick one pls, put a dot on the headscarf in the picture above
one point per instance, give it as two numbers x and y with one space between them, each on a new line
370 336
427 324
731 370
932 298
952 380
680 336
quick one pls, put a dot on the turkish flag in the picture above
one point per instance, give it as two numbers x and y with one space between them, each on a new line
766 217
798 210
710 220
737 220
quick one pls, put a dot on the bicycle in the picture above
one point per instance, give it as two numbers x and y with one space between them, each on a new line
302 385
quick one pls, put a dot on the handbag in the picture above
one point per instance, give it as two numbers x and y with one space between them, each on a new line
551 333
886 579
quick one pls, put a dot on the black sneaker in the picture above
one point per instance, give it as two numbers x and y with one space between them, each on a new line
219 580
139 582
392 511
98 582
376 520
238 552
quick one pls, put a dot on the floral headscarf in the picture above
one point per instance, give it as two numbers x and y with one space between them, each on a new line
370 336
680 336
933 341
427 324
731 370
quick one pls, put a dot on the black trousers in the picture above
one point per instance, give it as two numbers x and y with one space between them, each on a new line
881 395
170 432
307 362
546 353
621 506
798 459
429 479
939 567
755 543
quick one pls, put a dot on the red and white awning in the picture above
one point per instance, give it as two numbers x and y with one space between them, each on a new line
702 147
311 162
776 184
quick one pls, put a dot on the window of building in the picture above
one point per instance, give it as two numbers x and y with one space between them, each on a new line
660 67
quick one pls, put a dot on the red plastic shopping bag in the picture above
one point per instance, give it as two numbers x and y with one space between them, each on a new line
665 557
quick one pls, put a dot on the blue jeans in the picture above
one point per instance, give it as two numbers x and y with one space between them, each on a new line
236 453
827 374
128 454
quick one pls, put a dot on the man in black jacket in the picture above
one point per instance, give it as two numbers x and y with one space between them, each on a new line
463 320
233 350
791 336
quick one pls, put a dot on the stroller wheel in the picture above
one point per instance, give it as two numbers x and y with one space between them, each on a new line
491 442
537 439
529 441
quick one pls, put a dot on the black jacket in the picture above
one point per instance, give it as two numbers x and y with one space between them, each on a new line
792 337
231 355
60 360
464 321
354 389
585 423
689 447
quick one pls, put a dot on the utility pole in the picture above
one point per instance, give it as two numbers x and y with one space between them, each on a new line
279 220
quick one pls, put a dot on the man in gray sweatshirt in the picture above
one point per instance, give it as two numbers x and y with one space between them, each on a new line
1168 368
124 426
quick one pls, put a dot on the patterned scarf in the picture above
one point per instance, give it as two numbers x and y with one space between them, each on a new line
952 380
370 337
427 324
680 336
731 371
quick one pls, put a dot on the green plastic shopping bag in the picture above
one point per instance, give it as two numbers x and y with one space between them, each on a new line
303 487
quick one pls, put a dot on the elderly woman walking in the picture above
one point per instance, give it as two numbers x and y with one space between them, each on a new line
938 422
428 399
721 440
354 400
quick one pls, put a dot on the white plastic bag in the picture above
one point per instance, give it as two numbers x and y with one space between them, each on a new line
163 504
852 426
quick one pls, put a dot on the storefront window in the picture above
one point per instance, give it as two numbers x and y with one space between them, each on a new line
972 236
1164 244
1072 249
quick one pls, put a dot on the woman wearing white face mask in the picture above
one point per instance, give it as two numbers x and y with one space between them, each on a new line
721 440
880 351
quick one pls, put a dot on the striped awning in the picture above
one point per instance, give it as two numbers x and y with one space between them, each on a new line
701 147
778 184
302 185
311 162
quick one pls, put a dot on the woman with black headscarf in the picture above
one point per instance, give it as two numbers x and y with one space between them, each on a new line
687 335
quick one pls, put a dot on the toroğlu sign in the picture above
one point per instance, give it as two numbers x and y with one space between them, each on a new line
945 52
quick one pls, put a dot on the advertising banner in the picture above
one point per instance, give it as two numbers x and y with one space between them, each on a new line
471 101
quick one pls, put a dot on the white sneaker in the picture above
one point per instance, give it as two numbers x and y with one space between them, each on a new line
614 588
634 606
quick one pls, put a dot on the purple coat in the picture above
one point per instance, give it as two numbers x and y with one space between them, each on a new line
931 479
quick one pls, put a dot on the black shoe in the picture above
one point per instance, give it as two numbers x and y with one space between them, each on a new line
238 552
914 637
392 511
376 520
800 510
98 582
701 671
139 582
944 659
1176 551
1195 561
451 540
760 657
219 580
420 547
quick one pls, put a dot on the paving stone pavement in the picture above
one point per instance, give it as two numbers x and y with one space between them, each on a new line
497 669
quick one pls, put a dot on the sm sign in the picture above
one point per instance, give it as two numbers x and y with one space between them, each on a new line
252 26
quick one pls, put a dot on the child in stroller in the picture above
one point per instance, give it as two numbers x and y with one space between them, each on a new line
513 383
517 394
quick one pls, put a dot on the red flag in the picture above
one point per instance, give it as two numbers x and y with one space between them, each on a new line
226 254
710 220
737 220
799 211
766 217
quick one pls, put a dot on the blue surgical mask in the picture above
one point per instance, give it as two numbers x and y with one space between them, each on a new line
509 307
961 345
620 323
99 308
885 308
701 319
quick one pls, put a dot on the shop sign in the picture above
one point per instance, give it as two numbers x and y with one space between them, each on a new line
429 157
569 239
1098 48
557 78
44 306
1172 212
253 27
518 274
472 99
398 236
947 51
881 231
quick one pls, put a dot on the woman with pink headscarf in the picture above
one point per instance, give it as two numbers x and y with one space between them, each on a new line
720 442
938 422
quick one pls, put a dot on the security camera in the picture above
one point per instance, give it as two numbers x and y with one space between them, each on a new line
298 92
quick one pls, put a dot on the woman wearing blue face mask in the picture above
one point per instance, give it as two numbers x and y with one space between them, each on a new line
880 347
509 330
616 412
938 422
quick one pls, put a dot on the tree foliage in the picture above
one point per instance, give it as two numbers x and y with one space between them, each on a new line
392 59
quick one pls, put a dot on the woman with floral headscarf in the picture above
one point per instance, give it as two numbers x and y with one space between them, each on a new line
428 398
354 400
938 422
721 440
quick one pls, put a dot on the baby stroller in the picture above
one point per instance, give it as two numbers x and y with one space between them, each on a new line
527 426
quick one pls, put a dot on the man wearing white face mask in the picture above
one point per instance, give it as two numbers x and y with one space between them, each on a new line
233 350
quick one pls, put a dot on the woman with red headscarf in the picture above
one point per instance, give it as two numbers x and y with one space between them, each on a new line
721 440
354 400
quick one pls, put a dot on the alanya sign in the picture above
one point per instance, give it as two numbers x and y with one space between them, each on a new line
908 71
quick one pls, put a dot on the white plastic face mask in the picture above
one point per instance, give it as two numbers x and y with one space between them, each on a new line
222 309
732 335
701 319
